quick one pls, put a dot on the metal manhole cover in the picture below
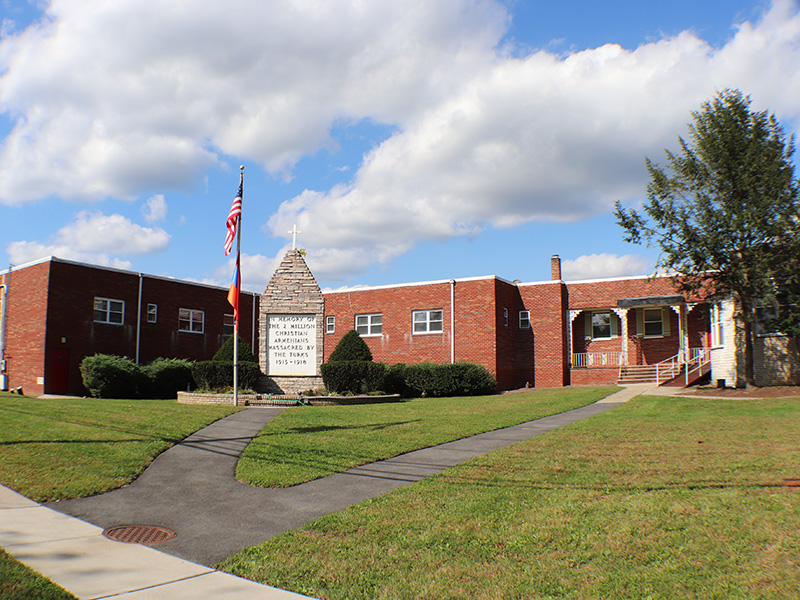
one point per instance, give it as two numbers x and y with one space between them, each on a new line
147 535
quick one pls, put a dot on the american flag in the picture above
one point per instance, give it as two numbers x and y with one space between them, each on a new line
233 217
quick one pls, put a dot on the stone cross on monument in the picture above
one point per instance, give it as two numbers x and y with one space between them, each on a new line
294 233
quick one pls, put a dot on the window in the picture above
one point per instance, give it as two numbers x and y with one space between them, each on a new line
505 317
653 322
767 312
152 313
601 325
330 324
369 324
191 320
426 321
717 330
228 326
524 319
109 311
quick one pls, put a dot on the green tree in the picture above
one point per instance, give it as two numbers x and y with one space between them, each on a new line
351 347
725 210
225 353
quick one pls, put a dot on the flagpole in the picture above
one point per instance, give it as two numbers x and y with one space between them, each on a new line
238 289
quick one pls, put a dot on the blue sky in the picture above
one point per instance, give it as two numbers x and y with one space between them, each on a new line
409 141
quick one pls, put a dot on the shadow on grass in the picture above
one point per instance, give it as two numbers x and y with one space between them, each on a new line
321 428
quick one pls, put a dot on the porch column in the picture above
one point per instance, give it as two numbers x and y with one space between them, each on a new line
679 310
572 315
622 313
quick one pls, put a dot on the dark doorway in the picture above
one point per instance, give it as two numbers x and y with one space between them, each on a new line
59 371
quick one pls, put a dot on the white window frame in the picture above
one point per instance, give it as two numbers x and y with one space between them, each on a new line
330 324
103 306
369 324
188 315
660 321
228 326
429 321
524 319
152 313
592 323
717 328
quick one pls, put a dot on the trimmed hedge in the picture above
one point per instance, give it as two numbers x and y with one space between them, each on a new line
354 376
445 380
108 376
167 376
225 353
351 347
217 375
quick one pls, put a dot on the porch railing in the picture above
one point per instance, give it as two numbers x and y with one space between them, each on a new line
585 360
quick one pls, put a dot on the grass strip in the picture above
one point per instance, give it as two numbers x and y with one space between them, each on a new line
660 498
303 444
67 448
19 582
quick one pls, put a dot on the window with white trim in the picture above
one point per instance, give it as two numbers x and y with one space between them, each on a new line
653 322
152 313
427 321
107 310
601 325
767 312
330 324
228 326
524 319
191 320
717 330
371 324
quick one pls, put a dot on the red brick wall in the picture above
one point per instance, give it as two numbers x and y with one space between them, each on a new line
26 320
605 294
547 303
72 334
480 334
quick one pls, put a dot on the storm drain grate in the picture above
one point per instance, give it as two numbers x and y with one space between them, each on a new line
148 535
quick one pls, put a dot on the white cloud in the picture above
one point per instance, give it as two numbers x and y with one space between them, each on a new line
110 101
155 209
597 266
540 138
256 271
94 238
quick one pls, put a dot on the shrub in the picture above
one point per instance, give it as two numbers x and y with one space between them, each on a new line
168 376
429 379
356 376
218 376
351 347
225 353
107 376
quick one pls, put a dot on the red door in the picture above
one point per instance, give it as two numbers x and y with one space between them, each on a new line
59 371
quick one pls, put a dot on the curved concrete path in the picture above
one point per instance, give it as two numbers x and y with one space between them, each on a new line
191 489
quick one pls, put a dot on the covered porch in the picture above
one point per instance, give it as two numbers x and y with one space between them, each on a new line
647 339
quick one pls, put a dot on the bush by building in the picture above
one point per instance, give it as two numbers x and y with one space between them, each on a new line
217 376
165 377
108 376
353 376
225 353
439 380
351 347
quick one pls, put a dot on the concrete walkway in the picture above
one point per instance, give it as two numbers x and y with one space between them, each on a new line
191 490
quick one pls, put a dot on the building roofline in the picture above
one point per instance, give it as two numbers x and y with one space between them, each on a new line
416 283
56 259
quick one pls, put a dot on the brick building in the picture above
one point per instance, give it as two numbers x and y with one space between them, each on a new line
56 312
541 334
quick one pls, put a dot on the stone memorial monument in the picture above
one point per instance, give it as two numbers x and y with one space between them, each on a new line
291 327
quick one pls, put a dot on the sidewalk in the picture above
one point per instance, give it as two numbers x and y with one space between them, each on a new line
191 490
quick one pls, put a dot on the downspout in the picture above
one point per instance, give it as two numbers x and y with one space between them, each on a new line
139 319
4 304
452 321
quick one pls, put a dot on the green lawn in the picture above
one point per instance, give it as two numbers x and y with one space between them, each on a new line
67 448
304 444
660 498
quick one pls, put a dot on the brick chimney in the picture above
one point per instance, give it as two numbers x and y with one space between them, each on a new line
555 267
